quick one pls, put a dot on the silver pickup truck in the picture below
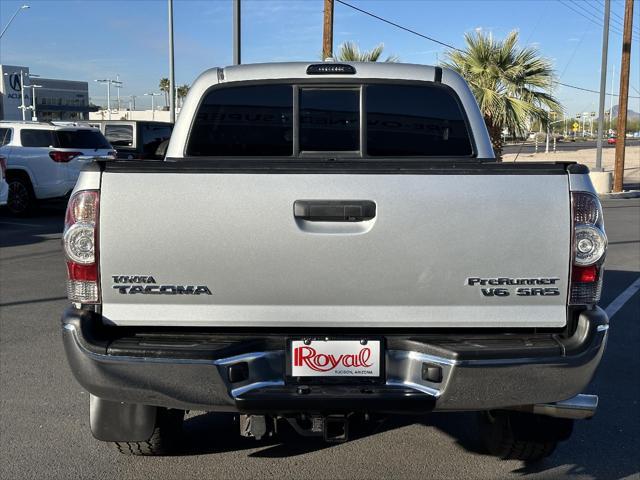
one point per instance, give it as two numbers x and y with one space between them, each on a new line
330 242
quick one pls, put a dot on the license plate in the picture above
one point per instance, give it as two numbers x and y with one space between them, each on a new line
335 358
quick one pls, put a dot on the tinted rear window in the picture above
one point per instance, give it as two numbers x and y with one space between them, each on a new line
119 135
80 139
329 120
153 136
36 138
244 121
407 120
419 119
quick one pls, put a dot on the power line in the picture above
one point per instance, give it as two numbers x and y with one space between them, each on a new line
431 39
597 16
575 50
583 15
589 16
398 26
620 20
589 90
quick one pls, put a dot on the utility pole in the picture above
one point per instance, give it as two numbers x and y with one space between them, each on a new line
618 177
237 33
603 84
133 101
327 33
172 75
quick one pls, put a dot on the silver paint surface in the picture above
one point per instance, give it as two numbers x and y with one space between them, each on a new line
236 233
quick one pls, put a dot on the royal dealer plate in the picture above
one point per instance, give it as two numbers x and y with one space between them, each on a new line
335 358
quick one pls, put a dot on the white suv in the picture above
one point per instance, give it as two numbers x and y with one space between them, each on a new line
43 160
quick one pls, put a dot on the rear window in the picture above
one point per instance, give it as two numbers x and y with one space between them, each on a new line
80 139
36 138
5 136
408 120
329 120
119 135
417 119
153 136
244 121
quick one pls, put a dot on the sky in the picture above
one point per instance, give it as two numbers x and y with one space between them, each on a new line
92 39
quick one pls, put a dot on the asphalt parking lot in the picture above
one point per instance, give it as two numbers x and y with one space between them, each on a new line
44 413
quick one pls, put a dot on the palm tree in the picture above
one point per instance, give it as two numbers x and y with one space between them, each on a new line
164 87
182 92
511 84
350 52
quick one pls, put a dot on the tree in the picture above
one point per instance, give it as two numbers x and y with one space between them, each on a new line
350 52
183 90
511 84
164 88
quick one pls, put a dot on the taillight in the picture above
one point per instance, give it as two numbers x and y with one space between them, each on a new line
589 247
3 166
80 243
63 157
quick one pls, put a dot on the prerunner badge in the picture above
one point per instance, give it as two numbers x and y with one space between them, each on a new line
334 358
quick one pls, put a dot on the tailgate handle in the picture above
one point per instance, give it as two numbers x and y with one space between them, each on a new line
334 210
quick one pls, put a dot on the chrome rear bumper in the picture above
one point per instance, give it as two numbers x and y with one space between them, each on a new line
434 382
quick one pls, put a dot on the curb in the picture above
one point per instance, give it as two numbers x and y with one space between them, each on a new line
627 194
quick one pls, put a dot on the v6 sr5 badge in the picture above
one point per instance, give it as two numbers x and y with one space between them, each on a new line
522 287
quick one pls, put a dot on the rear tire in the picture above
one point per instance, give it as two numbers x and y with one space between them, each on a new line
165 438
21 199
522 436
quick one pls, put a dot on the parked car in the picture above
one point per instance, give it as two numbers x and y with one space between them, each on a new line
135 139
43 160
328 241
611 140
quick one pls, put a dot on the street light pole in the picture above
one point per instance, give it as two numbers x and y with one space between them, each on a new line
109 81
237 32
172 75
23 7
153 103
22 105
34 115
603 84
118 87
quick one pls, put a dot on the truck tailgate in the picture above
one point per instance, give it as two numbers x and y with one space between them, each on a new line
409 266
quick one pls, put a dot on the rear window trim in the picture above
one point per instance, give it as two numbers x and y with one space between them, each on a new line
134 132
338 83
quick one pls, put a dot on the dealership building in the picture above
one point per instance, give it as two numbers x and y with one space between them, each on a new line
54 99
